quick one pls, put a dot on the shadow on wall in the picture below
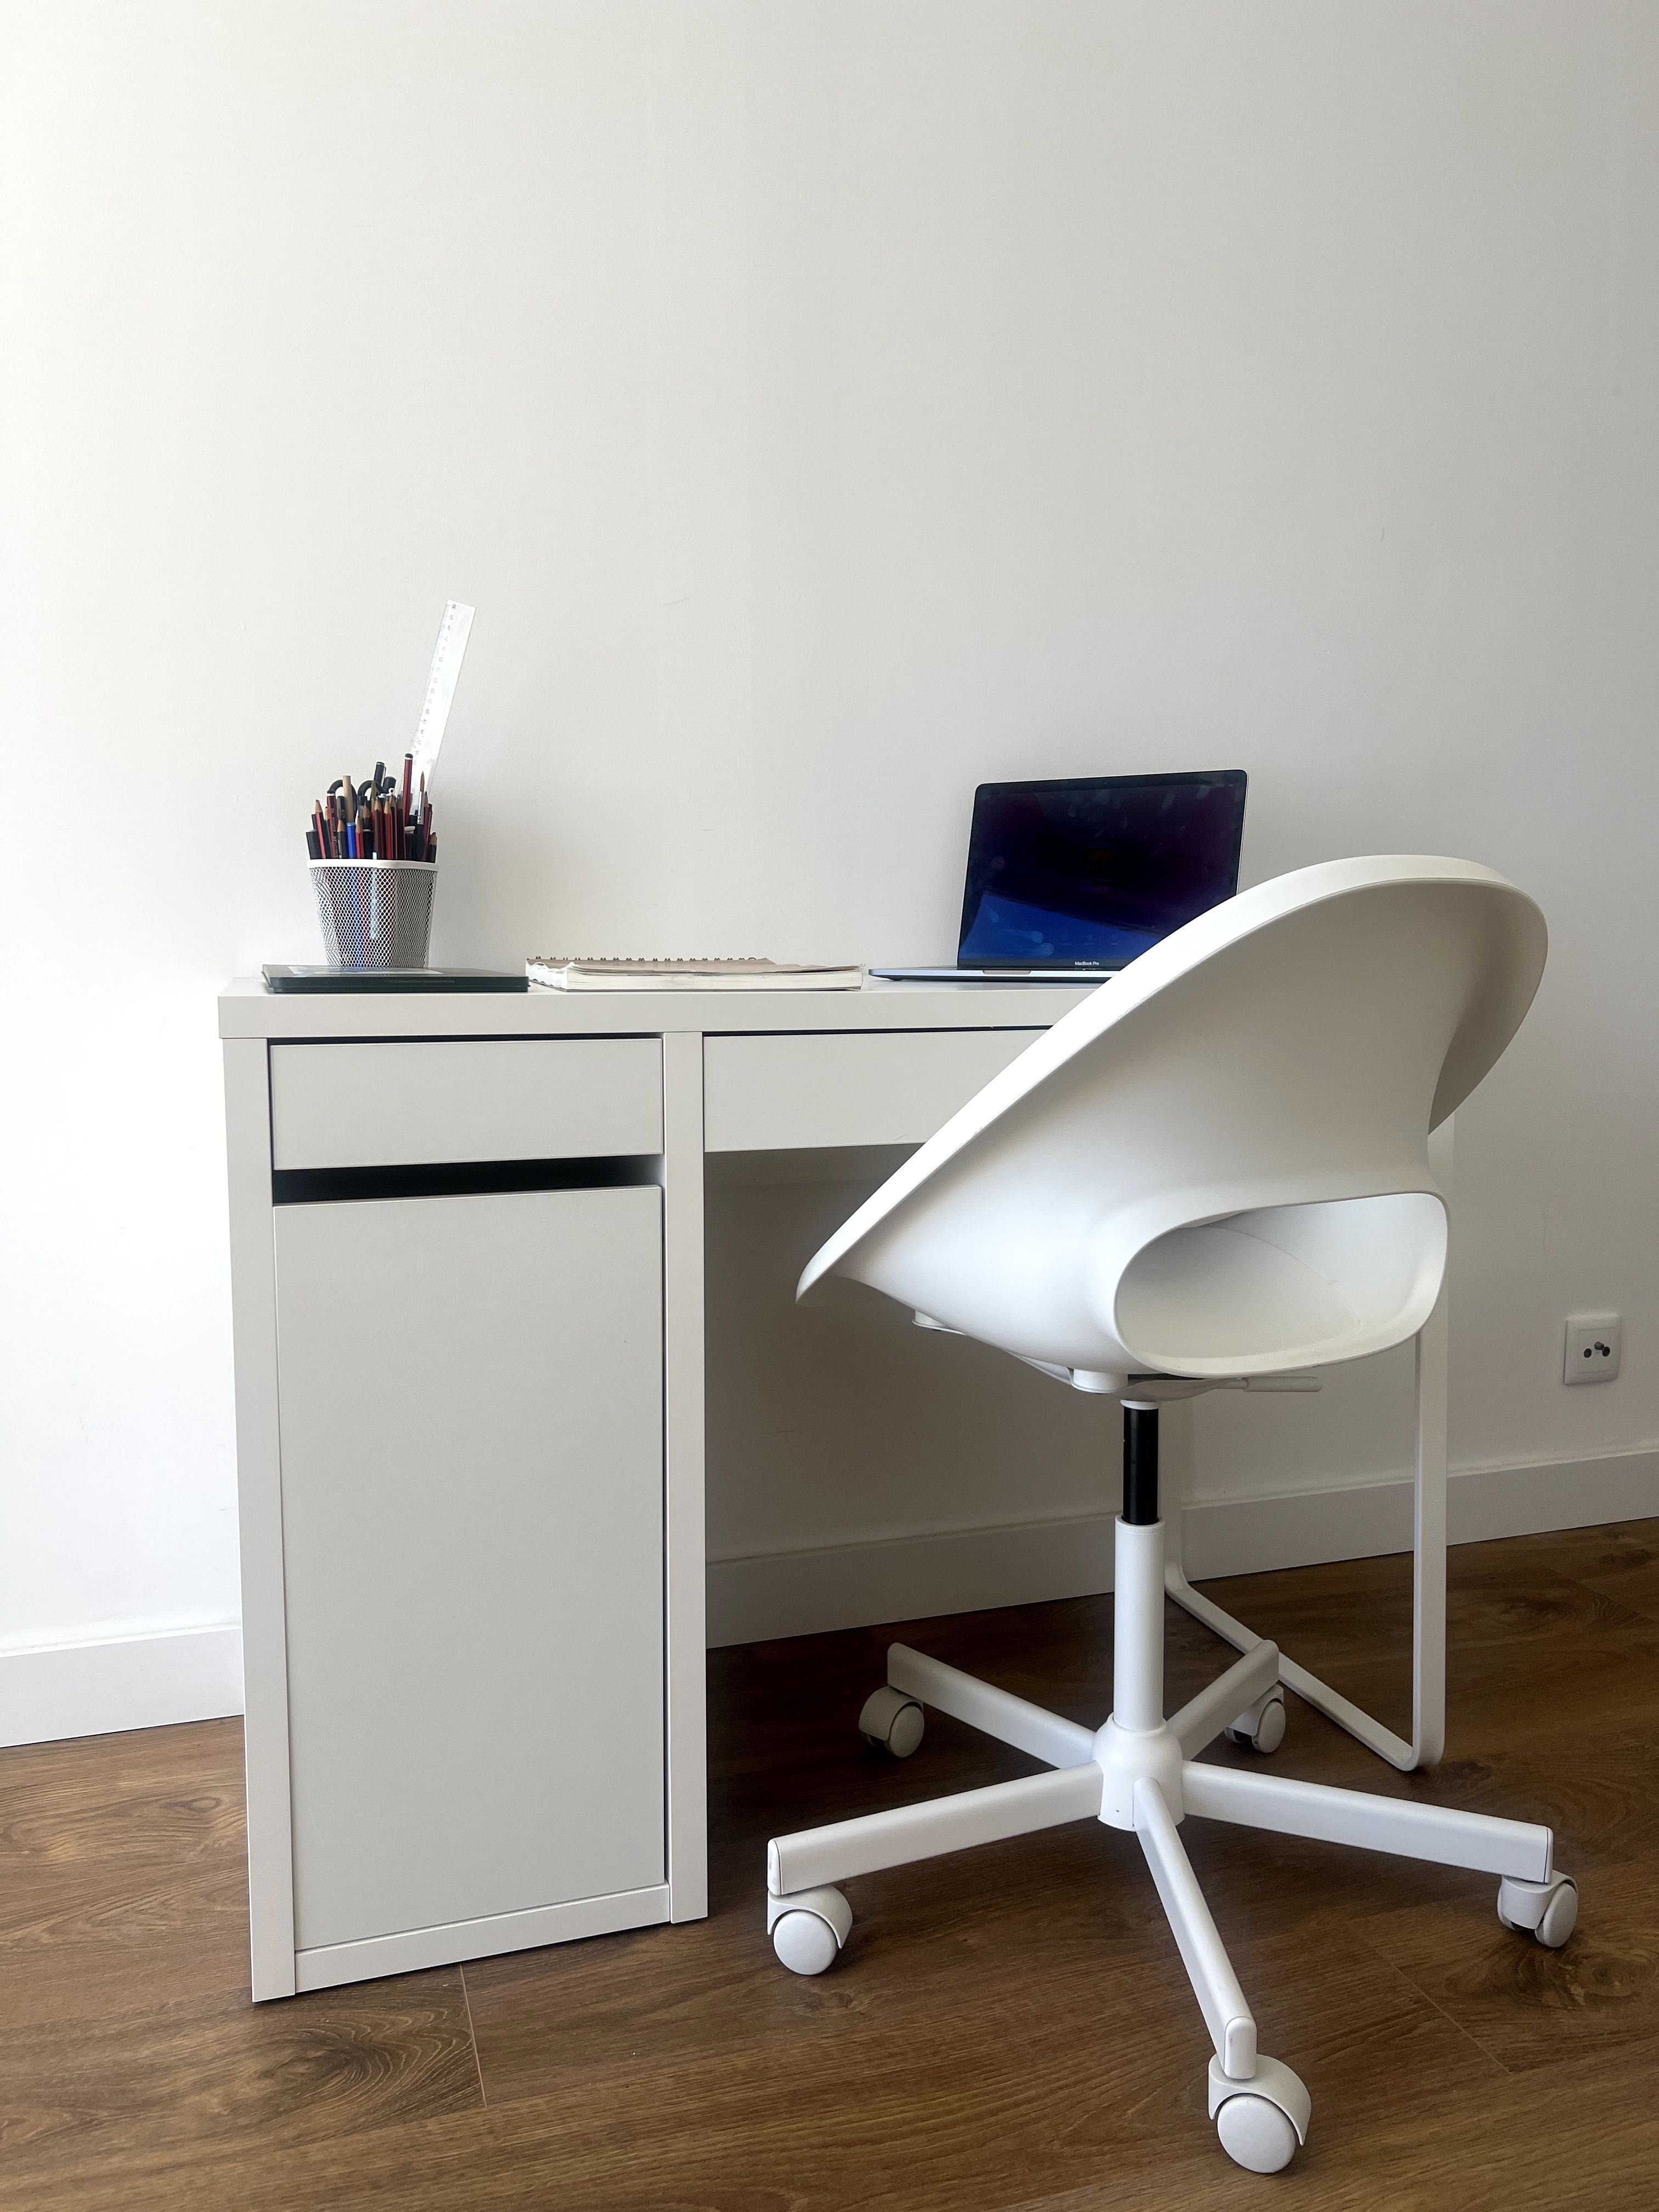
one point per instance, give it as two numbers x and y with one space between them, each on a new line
839 1422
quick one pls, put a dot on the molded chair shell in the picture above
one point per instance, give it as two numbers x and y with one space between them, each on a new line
1218 1164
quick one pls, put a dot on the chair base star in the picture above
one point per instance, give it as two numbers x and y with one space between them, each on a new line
1142 1772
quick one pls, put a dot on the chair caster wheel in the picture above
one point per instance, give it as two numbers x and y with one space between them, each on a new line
1549 1908
1261 1727
1255 2134
1263 2123
892 1723
809 1927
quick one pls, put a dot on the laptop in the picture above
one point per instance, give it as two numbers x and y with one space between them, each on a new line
1079 875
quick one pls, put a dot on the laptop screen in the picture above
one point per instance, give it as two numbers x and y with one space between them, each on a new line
1090 872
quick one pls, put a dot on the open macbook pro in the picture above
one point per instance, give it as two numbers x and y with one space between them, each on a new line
1075 878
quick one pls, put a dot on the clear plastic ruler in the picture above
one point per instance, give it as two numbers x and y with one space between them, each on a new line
453 634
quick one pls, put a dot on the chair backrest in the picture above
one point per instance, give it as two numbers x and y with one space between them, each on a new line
1218 1163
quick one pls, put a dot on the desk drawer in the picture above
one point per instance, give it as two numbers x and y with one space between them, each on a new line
764 1094
506 1098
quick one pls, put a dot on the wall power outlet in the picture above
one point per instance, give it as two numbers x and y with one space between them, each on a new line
1594 1342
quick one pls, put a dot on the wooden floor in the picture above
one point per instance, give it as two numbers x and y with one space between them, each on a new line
1009 2028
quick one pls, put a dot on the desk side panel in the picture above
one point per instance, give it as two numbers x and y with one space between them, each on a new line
260 1508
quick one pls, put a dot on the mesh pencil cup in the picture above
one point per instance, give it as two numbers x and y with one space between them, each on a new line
375 913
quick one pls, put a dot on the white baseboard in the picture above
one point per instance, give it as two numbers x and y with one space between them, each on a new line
128 1682
195 1673
963 1571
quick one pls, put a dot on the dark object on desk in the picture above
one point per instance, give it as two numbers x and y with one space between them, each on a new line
1072 880
280 977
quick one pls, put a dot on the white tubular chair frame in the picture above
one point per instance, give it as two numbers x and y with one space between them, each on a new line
1428 1738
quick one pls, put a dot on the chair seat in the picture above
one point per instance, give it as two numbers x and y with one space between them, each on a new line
1284 1287
1220 1292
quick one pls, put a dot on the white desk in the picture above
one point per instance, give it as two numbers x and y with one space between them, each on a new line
467 1273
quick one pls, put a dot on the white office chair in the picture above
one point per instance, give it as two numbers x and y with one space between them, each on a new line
1212 1172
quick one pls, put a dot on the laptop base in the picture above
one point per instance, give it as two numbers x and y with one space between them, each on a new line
996 975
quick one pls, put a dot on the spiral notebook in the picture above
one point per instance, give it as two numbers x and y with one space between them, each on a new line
557 972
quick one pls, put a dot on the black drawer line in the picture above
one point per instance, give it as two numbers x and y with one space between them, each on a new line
459 1178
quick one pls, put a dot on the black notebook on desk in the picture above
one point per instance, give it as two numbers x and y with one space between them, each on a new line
280 977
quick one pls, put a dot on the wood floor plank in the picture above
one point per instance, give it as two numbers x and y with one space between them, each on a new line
123 1872
150 1797
1584 2140
1621 1560
1010 2031
1352 1622
73 1948
1500 1695
1531 2008
997 2098
140 2093
1058 1912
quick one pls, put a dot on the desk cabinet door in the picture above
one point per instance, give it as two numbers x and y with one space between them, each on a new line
470 1395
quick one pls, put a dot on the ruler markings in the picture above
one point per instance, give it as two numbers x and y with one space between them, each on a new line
453 634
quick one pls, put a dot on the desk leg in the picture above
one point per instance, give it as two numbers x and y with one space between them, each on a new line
682 1396
259 1491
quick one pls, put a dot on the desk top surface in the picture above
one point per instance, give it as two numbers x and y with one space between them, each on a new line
246 1008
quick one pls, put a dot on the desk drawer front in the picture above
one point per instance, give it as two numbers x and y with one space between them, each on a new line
851 1087
508 1098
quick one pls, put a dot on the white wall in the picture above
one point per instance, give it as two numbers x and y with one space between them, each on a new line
826 406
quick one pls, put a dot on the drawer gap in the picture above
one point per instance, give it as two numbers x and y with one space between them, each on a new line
460 1179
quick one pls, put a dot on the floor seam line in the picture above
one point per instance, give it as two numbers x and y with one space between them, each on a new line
472 2037
1509 2073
